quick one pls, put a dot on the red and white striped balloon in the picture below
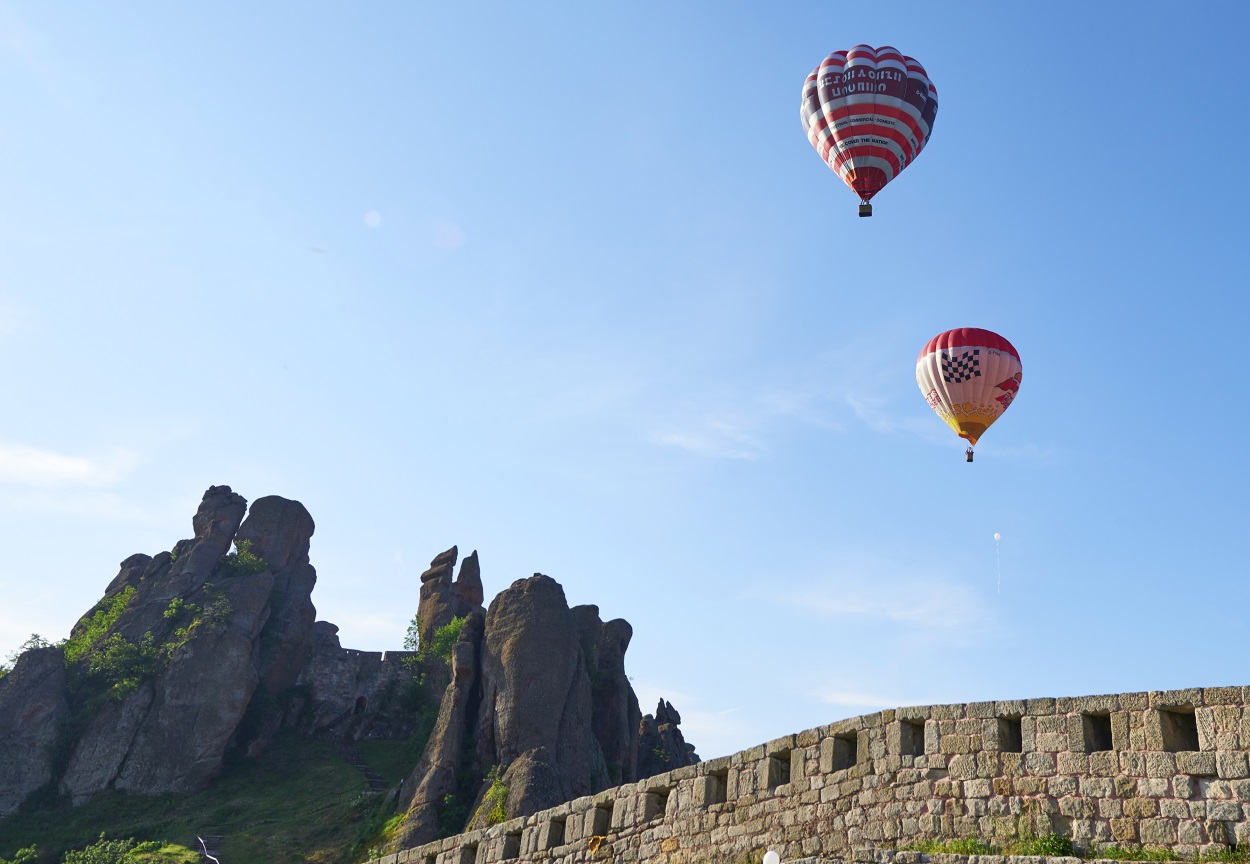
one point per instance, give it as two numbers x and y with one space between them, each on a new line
868 112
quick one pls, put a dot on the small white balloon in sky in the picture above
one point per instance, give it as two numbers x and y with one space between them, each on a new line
997 536
373 219
771 857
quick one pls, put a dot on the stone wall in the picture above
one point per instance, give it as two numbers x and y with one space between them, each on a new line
1166 769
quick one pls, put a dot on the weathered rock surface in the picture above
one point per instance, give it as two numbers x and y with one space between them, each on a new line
193 653
539 691
32 709
661 746
440 772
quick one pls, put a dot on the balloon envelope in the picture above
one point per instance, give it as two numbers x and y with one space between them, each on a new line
997 536
969 377
868 112
771 857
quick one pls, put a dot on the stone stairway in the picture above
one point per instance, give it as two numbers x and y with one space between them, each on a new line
353 758
209 844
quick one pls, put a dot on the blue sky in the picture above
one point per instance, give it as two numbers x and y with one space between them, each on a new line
566 283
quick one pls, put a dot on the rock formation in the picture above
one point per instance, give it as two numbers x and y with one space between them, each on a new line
199 651
662 747
540 690
32 709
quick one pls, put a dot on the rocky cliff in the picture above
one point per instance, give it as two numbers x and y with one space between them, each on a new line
201 651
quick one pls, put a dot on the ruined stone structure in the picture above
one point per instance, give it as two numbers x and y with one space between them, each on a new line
1164 769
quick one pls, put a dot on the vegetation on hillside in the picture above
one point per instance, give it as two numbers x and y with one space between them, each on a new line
298 802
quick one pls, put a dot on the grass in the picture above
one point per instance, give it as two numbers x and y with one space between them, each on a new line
1115 853
298 802
1054 845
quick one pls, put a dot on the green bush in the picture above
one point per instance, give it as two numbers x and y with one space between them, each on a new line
178 607
24 856
118 667
243 561
105 616
960 846
1051 845
103 851
495 801
444 639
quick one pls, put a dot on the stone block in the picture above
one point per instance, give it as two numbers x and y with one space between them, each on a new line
1182 786
1040 764
1160 764
1058 787
980 710
1227 717
1104 764
963 767
1172 808
1095 704
807 738
1039 707
778 745
1051 742
1073 763
1077 808
1125 787
1205 720
1134 701
1141 808
1223 811
1196 764
1240 789
989 764
1153 787
1124 830
1051 724
1191 832
1190 698
1133 764
1096 787
1158 832
1153 731
1009 708
956 744
1231 766
1110 808
1119 730
979 788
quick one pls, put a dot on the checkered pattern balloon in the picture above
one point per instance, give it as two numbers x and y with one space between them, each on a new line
969 377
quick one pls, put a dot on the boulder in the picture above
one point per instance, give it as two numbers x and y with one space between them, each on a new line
661 746
33 708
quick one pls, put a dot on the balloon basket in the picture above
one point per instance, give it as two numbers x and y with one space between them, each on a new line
865 209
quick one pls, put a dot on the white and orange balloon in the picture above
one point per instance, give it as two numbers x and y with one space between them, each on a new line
969 377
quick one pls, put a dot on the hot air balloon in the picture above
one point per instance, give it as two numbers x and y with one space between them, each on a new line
868 112
969 377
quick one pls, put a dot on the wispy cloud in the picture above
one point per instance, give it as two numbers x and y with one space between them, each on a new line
715 439
22 46
28 466
447 235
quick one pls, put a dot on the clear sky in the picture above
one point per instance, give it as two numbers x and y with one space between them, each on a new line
566 284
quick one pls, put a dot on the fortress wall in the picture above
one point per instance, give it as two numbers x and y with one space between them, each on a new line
1165 768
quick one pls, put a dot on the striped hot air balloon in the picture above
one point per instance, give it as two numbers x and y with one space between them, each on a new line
868 112
969 377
